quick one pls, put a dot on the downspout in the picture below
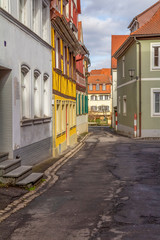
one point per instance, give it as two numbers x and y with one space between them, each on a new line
140 89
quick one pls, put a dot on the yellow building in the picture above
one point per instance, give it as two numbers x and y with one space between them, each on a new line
65 48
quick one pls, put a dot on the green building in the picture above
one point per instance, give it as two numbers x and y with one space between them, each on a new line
138 80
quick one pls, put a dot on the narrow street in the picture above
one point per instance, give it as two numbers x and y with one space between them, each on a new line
109 190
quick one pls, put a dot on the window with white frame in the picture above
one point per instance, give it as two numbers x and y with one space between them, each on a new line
155 102
123 66
156 56
23 11
25 92
67 10
5 4
90 87
119 105
35 16
106 97
64 60
37 94
71 115
97 87
95 98
124 105
92 98
101 97
46 95
93 108
45 10
104 87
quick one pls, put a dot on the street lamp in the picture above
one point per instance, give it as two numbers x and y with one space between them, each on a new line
131 73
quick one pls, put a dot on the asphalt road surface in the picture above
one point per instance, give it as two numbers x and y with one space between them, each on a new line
109 190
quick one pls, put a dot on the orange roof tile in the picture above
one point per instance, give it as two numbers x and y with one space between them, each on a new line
152 27
117 41
100 76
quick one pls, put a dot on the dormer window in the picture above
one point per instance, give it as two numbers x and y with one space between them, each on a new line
97 87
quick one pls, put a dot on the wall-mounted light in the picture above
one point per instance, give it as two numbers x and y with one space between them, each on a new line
131 73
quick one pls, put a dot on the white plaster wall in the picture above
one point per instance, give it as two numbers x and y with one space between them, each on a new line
23 48
99 102
82 124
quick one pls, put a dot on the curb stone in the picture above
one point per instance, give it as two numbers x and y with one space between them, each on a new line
52 178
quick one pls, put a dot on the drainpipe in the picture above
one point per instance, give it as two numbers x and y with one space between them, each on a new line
140 89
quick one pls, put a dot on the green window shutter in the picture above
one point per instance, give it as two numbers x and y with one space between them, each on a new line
82 105
87 104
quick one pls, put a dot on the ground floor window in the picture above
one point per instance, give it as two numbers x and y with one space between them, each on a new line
124 105
58 118
155 102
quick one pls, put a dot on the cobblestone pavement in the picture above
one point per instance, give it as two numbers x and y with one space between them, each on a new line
110 189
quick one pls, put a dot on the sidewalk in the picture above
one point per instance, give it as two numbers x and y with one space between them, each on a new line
9 194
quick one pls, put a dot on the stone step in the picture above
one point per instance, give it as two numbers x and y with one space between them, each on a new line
3 156
9 165
32 179
17 174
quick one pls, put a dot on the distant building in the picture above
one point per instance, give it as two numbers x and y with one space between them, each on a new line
138 82
99 94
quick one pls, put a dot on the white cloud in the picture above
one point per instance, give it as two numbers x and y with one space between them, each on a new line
104 18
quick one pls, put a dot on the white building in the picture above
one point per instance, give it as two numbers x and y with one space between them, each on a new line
25 79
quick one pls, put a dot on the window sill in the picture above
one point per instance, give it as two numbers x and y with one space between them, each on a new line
124 114
60 134
73 127
156 115
34 121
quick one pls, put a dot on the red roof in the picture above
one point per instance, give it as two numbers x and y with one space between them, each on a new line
100 76
117 41
152 27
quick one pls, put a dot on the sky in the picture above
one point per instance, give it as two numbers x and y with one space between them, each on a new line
103 18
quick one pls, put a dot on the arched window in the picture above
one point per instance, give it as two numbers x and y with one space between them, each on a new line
37 94
46 89
25 92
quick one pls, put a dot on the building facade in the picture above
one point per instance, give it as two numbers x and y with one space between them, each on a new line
138 88
82 62
116 42
64 19
25 80
99 95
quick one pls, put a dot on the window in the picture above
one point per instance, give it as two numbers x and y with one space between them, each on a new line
63 117
106 97
74 115
93 108
34 15
5 4
97 87
44 21
124 105
70 64
58 54
156 56
25 92
46 89
101 97
92 98
58 117
90 87
119 105
64 60
71 115
155 102
96 98
37 94
22 11
104 87
67 10
71 8
123 66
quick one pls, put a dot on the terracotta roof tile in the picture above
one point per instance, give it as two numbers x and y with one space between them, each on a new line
100 76
151 27
117 41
